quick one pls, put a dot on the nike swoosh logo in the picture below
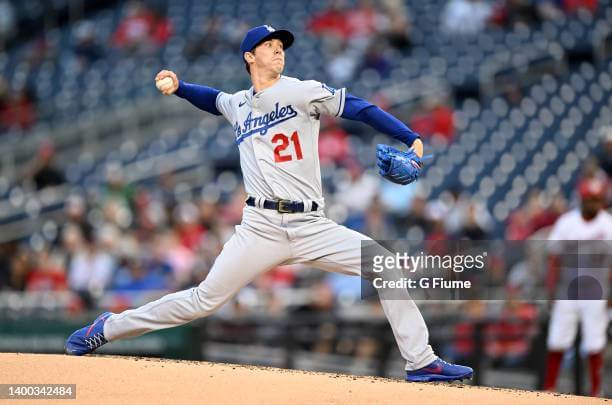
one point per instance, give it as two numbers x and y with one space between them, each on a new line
241 104
95 323
436 369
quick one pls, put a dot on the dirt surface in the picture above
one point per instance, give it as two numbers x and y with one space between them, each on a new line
130 380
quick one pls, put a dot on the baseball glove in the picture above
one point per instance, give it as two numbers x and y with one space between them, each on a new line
397 166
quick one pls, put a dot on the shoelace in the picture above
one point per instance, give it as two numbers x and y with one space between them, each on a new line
96 340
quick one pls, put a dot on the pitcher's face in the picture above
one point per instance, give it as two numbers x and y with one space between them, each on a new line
270 55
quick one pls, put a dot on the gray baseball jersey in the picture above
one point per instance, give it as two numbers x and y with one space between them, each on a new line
277 132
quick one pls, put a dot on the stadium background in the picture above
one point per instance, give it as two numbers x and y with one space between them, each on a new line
112 195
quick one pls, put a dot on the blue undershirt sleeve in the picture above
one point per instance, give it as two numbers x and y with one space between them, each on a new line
203 97
357 109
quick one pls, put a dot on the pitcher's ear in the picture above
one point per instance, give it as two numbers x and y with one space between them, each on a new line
249 57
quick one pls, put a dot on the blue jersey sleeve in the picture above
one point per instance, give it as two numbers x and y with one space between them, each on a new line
358 109
203 97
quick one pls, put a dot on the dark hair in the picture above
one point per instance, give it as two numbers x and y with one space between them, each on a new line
246 64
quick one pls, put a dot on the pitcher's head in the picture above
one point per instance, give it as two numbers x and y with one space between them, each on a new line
263 48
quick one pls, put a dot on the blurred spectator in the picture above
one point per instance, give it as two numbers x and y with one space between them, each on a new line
150 213
438 231
513 12
461 215
549 9
592 169
375 58
376 222
163 192
604 154
362 21
321 302
539 211
416 216
549 213
396 198
230 213
181 259
75 210
43 171
397 32
358 190
465 16
187 228
526 276
21 262
142 29
86 45
117 195
474 227
462 346
215 33
519 225
435 119
512 93
332 21
509 334
4 101
72 239
334 146
46 274
134 29
572 6
162 27
8 251
136 275
41 50
342 61
7 22
90 270
208 215
17 108
206 40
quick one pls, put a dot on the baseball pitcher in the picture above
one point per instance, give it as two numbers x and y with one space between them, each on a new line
276 126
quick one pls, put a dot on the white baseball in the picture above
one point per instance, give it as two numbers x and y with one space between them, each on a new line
164 84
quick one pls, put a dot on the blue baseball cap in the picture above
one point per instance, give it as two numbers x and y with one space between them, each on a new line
257 35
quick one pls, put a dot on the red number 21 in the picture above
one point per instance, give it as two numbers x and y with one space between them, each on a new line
282 142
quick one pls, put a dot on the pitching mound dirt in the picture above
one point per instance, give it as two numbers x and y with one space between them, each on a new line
121 380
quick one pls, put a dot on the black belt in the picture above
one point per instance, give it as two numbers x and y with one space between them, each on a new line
282 206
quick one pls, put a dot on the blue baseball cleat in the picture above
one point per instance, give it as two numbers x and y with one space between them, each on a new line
439 370
87 339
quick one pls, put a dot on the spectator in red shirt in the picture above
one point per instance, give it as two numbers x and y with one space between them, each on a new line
572 6
549 215
46 274
435 119
135 26
520 225
362 21
188 229
331 21
162 28
333 143
142 29
16 108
